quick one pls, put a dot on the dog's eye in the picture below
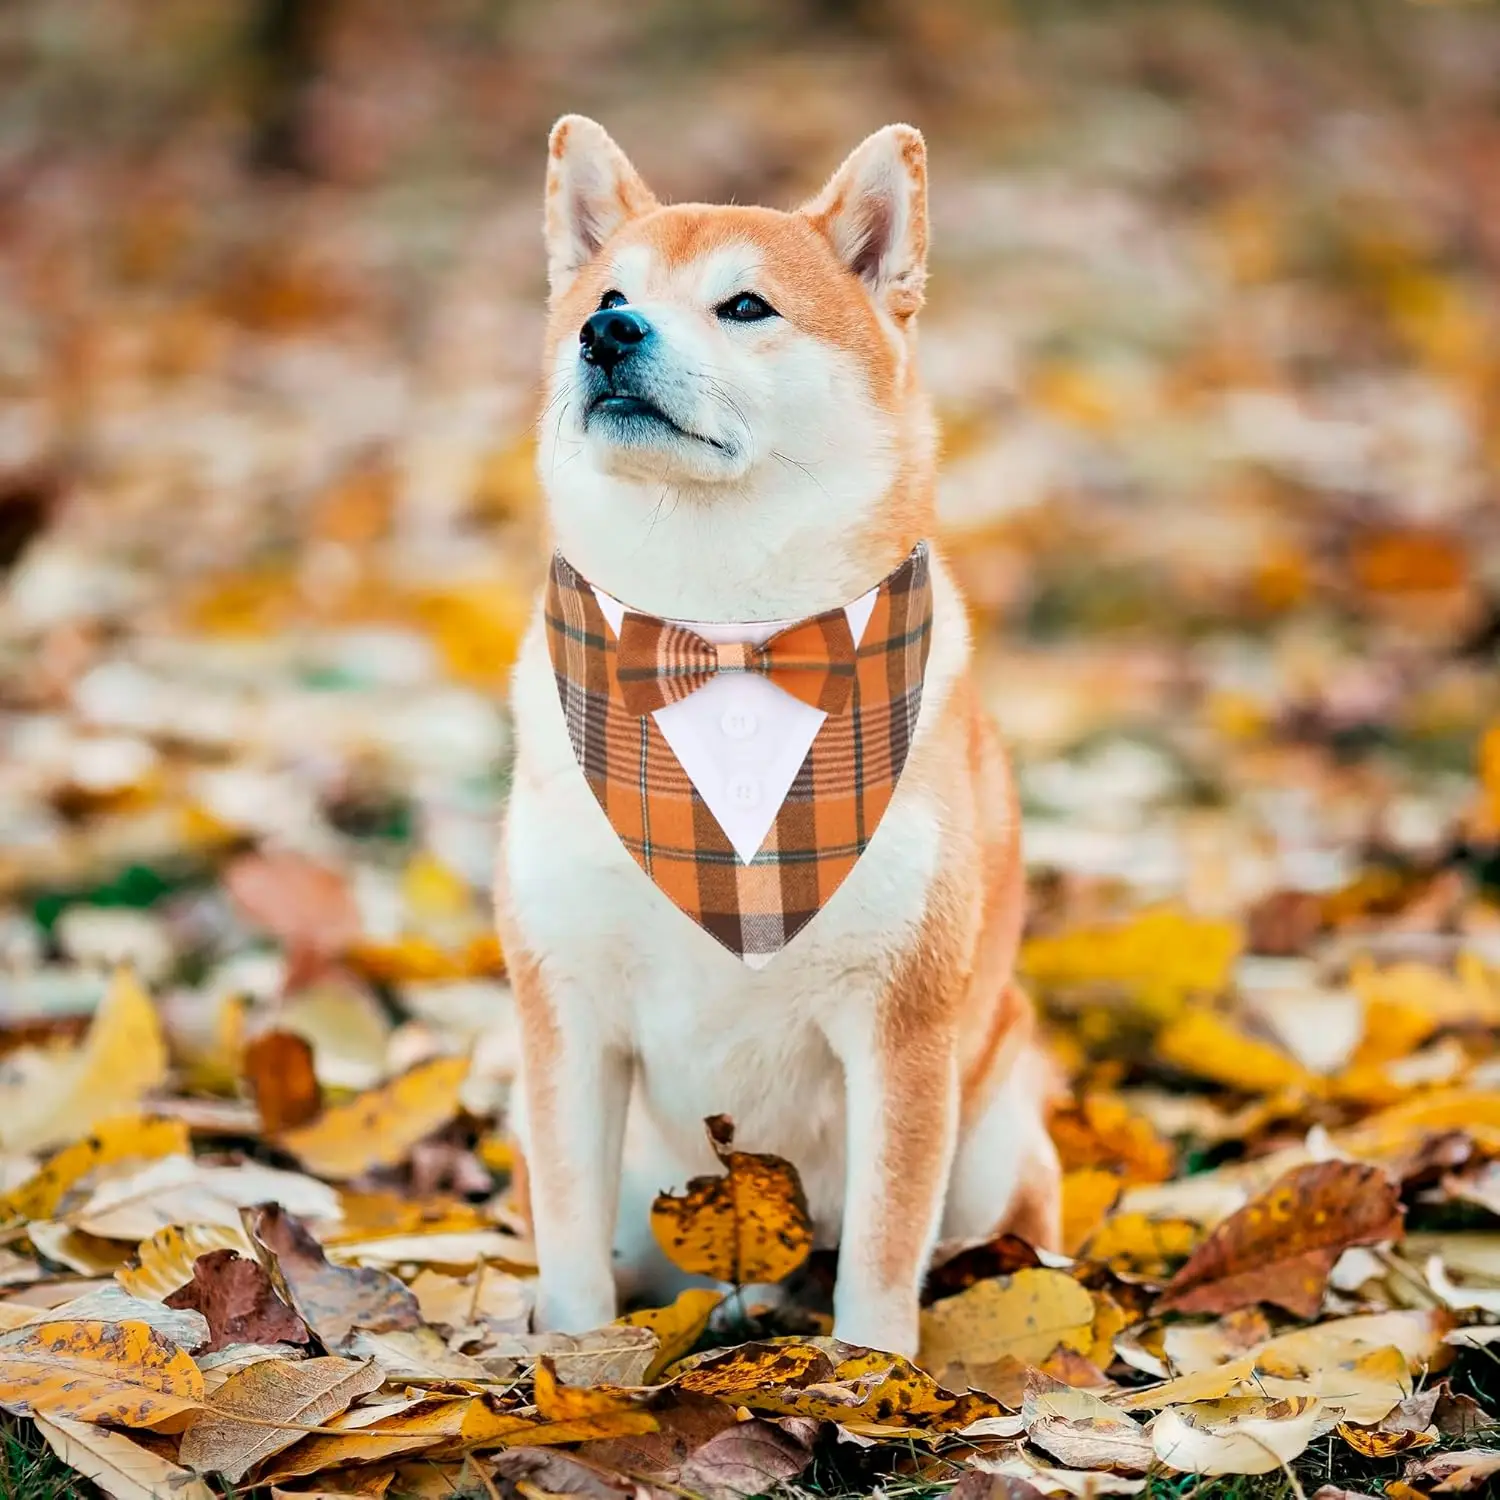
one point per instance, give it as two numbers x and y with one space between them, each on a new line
610 299
745 308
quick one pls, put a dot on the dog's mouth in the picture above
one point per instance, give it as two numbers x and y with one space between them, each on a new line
637 409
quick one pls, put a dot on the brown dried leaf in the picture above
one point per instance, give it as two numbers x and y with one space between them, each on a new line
241 1305
1281 1246
333 1300
278 1067
305 1394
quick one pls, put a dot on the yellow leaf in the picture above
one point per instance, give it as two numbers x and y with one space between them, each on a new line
753 1367
677 1327
165 1261
576 1413
478 628
97 1372
1101 1130
1134 1244
1088 1195
1163 954
1396 1130
1377 1442
413 957
867 1392
1205 1045
1026 1316
752 1224
122 1058
433 891
379 1128
131 1138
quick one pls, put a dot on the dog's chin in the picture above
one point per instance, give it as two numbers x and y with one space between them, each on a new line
632 439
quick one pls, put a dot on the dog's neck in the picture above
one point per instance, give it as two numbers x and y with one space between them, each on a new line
739 556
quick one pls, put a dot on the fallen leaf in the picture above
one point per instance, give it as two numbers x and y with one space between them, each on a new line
1164 954
113 1304
1025 1316
1281 1246
379 1128
865 1392
121 1467
97 1372
677 1327
546 1472
1202 1044
1461 1469
750 1458
750 1225
278 1068
1088 1194
305 1394
179 1190
1238 1435
414 1354
1134 1245
1049 1481
122 1058
307 906
165 1262
1383 1442
371 1434
616 1355
1083 1432
1101 1130
236 1297
332 1300
223 1364
131 1138
486 1299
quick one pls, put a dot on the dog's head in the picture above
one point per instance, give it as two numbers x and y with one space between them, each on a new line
732 426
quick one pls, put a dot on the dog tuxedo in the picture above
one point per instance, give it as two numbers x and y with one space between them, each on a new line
744 767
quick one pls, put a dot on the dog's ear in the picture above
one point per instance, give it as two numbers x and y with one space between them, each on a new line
874 213
591 191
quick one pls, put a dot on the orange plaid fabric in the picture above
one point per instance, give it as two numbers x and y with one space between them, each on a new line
840 792
658 663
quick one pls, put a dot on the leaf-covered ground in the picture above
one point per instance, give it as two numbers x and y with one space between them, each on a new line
1215 338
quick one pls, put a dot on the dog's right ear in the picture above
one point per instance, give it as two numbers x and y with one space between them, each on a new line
591 191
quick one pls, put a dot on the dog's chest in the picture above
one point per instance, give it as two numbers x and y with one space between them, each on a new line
711 1034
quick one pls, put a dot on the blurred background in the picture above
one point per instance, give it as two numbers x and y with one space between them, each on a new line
1214 333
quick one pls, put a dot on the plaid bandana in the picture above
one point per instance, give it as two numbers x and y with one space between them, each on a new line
609 688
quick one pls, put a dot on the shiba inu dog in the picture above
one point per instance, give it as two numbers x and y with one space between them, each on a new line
733 436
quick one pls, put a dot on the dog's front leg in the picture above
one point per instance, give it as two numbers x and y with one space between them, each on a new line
901 1102
576 1089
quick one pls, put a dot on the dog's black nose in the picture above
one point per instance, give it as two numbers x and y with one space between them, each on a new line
610 334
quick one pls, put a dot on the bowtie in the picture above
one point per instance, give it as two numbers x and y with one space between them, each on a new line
658 663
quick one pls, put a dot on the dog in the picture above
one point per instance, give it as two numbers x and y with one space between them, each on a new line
733 431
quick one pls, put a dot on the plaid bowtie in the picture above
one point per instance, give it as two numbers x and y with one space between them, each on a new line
660 663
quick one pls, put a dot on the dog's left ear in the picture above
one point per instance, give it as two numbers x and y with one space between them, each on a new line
592 190
874 213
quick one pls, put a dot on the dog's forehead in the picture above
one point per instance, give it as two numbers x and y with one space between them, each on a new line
704 278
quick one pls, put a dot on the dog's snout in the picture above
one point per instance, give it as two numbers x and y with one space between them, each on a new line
610 334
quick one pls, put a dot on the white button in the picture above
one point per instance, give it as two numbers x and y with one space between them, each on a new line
739 723
744 791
